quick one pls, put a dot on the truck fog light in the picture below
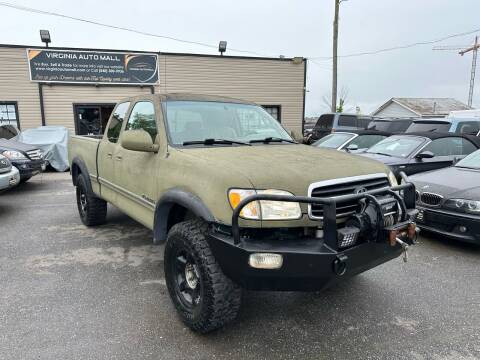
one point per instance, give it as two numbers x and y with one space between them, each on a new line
462 229
265 261
347 236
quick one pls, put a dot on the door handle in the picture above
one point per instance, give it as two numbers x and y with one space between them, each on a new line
109 155
118 158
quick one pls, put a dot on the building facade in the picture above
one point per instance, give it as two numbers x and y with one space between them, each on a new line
36 86
419 107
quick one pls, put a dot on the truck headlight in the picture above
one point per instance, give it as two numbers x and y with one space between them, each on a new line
464 205
265 209
393 179
14 155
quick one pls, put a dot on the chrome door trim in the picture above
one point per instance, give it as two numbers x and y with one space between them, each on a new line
134 197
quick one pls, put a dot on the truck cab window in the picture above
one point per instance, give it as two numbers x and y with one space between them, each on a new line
116 121
143 117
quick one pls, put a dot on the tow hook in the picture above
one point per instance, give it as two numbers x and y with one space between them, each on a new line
340 265
404 246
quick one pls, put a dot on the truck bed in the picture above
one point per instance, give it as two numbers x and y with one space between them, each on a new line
85 148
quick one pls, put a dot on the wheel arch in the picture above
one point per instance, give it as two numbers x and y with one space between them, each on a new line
173 207
78 167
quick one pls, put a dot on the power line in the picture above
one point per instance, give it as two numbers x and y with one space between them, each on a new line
49 13
401 46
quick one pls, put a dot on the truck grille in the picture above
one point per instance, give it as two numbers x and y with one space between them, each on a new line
345 186
431 199
34 154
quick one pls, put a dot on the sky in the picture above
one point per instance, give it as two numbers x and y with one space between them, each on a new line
283 27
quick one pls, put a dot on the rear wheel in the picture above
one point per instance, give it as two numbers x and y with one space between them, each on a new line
92 210
203 296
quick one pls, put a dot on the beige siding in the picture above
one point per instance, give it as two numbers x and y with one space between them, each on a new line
58 100
266 82
15 85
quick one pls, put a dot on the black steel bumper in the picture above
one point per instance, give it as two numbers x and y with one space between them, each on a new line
309 263
29 168
449 224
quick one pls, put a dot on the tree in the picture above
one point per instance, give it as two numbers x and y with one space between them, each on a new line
342 101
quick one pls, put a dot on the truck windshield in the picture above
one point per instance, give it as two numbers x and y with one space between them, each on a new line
195 121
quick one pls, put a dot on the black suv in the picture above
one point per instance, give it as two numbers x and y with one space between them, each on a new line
328 123
28 159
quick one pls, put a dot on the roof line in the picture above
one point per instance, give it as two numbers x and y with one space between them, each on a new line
405 106
149 52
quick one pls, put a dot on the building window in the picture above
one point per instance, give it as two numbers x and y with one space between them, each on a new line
9 113
274 111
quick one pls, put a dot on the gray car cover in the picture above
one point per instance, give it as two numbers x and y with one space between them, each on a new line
53 141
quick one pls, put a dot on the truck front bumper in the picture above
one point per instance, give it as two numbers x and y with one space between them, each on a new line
308 264
313 263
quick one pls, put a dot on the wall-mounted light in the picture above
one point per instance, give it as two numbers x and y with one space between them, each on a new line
45 36
222 47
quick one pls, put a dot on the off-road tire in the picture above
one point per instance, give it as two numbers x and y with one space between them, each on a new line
220 298
92 210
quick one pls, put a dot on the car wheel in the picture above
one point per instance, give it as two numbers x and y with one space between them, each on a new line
203 296
92 210
24 180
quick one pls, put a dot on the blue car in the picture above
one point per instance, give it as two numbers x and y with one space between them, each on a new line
9 175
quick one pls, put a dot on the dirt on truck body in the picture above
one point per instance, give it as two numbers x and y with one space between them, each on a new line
238 202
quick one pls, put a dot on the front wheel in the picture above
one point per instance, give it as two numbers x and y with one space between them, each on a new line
92 210
204 297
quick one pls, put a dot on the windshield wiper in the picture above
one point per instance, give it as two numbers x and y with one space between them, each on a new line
380 153
211 141
272 139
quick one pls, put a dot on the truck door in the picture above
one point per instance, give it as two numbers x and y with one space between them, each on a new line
136 171
108 147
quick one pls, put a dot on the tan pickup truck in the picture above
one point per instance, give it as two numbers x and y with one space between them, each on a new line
239 203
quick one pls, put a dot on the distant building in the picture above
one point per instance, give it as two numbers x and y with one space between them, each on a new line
419 107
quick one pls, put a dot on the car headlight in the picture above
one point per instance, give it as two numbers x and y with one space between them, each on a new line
265 209
14 155
464 205
393 179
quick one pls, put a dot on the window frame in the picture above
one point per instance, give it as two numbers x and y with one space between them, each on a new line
130 111
451 137
127 115
279 109
15 104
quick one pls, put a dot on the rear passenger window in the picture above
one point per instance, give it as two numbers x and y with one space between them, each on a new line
345 120
116 121
143 117
450 146
468 127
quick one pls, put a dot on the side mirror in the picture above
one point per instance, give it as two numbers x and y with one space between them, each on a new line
425 155
352 147
138 140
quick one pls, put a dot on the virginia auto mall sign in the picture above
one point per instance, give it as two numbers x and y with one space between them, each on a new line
74 66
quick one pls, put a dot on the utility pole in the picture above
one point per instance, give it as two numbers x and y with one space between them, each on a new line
335 46
474 48
462 52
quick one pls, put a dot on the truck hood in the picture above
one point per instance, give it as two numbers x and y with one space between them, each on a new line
284 167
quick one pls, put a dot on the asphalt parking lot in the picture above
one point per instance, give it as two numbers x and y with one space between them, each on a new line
71 292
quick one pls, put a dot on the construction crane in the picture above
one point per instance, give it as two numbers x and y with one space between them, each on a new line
462 50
